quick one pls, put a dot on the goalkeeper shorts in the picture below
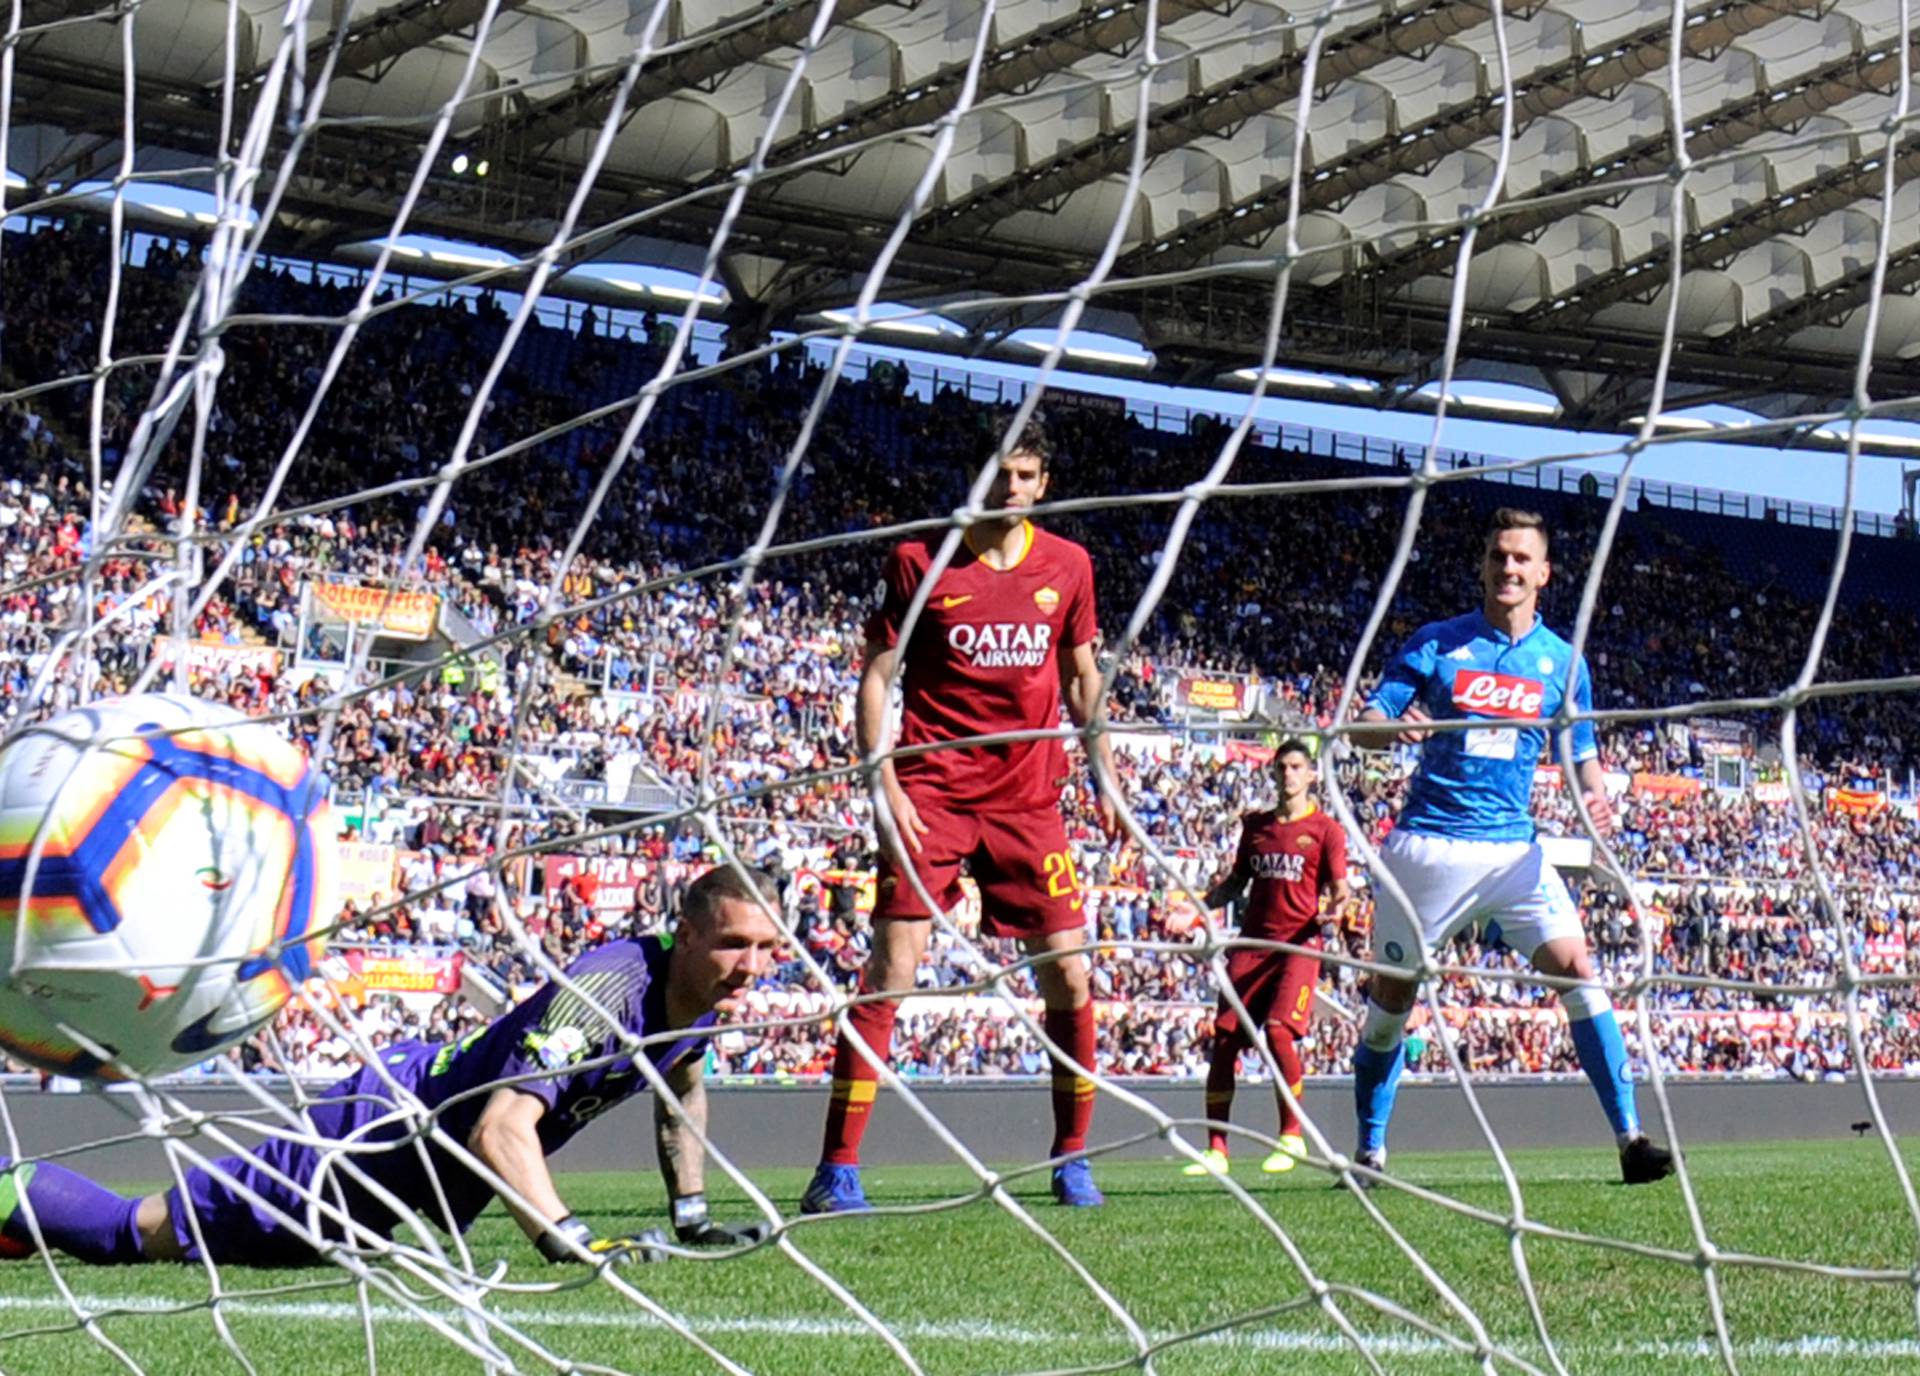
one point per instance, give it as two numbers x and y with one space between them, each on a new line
1505 887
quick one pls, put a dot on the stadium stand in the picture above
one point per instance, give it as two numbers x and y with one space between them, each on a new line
1700 609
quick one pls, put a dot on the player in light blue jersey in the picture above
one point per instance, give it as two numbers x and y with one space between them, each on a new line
1464 851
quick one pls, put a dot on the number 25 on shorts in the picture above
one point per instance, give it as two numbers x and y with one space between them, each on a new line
1062 882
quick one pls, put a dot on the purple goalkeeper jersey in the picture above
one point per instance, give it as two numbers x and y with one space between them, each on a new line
554 1046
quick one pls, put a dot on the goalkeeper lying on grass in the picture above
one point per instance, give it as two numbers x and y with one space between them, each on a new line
565 1066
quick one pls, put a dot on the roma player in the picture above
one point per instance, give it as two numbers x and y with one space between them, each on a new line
1291 858
1006 632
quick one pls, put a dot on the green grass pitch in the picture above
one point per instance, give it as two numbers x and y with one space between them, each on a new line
970 1290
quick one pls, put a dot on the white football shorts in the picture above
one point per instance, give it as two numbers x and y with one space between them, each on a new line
1503 885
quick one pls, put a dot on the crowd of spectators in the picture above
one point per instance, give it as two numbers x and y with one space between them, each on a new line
650 672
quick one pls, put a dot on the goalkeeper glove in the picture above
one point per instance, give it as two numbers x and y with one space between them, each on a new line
692 1226
621 1251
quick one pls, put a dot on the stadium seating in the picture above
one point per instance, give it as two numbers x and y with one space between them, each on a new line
1694 607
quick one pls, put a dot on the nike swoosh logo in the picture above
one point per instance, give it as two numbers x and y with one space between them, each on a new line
198 1035
947 603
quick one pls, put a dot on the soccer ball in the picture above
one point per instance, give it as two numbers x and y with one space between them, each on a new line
163 862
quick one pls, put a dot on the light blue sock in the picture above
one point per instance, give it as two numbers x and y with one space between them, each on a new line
1376 1077
1603 1055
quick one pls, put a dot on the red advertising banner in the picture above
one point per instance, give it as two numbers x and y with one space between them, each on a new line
1855 802
408 615
1249 753
1772 791
1224 695
1666 785
406 974
605 883
1885 952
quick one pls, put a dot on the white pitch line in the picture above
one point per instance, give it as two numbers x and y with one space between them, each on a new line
1814 1347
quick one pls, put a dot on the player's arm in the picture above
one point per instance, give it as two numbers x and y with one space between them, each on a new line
1339 895
1234 884
1333 872
1593 788
870 723
1586 755
507 1139
873 707
1397 698
1080 686
683 1160
1228 890
1412 712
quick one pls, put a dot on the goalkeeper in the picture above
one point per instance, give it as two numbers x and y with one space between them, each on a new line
1463 850
566 1064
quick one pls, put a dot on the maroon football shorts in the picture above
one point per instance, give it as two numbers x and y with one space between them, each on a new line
1020 860
1276 986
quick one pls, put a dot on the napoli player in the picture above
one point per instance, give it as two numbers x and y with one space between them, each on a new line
1464 851
1290 857
1005 631
726 938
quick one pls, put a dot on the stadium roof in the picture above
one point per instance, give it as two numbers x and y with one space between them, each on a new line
1567 289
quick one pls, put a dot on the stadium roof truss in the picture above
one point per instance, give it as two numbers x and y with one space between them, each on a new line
1783 105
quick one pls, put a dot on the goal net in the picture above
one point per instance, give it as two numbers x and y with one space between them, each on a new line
333 392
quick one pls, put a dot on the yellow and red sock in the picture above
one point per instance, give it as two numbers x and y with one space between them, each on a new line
855 1082
1286 1055
1072 1031
1221 1068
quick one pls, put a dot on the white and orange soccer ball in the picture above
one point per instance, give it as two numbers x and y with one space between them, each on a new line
164 865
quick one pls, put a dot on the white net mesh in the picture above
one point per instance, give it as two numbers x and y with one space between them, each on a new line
231 441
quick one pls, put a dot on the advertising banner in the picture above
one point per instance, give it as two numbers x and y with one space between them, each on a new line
1713 736
212 657
1226 696
405 615
365 871
609 884
1855 802
1065 399
409 974
1666 785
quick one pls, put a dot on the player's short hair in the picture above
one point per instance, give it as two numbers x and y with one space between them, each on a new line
1035 438
725 883
1292 745
1517 518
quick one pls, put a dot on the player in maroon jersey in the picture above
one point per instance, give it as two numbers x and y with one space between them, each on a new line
1007 630
1292 857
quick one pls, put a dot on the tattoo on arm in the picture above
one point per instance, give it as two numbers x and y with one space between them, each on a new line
677 1133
